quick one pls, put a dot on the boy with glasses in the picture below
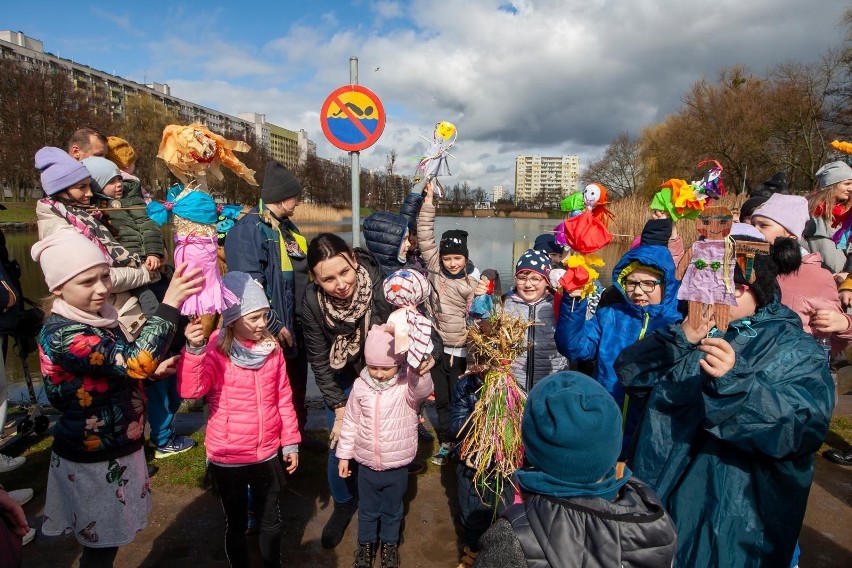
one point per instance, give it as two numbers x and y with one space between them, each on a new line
646 287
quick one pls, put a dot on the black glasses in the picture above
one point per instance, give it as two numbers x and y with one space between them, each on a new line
646 286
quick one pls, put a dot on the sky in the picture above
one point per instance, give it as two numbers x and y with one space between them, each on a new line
543 77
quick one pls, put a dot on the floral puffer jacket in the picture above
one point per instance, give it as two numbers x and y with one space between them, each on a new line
94 377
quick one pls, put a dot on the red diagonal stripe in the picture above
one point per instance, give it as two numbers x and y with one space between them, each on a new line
352 117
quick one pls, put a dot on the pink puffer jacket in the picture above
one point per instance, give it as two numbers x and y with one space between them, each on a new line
251 410
380 426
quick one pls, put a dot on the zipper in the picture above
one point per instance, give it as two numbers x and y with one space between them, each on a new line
531 352
646 318
377 431
258 398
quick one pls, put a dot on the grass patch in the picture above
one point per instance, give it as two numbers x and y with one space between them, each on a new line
185 469
18 212
839 435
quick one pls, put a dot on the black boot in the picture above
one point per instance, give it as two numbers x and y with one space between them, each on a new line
333 531
843 458
364 555
390 555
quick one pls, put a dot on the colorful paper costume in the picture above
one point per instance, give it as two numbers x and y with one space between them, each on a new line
412 331
434 161
191 153
686 200
707 270
585 232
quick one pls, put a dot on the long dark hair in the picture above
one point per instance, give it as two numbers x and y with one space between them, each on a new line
325 246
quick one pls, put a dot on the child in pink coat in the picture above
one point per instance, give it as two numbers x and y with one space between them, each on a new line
380 432
252 430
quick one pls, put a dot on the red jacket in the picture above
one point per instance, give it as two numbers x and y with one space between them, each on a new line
251 410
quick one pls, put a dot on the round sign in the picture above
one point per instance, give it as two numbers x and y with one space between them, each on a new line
352 118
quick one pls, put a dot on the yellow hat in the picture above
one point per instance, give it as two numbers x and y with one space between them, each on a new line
120 152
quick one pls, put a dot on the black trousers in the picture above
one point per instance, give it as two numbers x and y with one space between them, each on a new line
445 375
480 506
297 372
266 480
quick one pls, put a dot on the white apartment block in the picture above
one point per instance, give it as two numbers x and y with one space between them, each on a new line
545 180
107 94
497 193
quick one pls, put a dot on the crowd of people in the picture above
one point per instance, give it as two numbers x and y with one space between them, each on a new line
647 441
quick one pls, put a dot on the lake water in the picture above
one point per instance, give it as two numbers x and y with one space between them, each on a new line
493 243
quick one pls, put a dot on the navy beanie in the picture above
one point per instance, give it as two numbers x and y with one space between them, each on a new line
534 261
547 243
571 428
454 241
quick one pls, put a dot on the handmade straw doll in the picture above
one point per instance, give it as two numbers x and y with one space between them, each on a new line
412 331
585 232
707 270
191 153
434 161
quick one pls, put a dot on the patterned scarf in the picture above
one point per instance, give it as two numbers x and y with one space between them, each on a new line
344 316
92 229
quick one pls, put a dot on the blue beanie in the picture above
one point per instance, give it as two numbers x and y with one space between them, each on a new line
250 293
535 261
571 429
59 171
546 243
103 171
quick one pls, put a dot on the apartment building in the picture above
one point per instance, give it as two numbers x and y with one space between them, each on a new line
545 180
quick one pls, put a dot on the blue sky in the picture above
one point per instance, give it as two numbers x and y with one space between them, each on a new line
545 77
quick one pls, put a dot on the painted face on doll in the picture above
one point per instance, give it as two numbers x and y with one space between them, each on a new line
382 374
251 327
714 227
81 193
746 303
114 188
643 287
336 276
530 286
453 263
591 195
770 229
89 290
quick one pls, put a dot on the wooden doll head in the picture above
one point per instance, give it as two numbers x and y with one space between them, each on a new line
714 223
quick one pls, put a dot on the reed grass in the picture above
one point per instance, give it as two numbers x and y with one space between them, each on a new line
311 212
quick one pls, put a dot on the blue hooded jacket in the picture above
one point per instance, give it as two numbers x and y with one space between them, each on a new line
614 327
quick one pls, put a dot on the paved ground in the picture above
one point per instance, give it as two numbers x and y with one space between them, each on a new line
187 525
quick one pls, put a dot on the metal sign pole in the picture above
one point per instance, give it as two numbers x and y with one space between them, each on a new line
355 168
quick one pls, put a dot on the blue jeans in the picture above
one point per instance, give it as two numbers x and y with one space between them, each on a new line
380 507
163 402
342 490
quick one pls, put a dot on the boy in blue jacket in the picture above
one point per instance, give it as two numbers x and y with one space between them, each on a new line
645 279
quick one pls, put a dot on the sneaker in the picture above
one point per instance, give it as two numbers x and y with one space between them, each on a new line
22 496
28 538
390 555
175 445
415 467
332 532
8 463
364 555
443 455
423 434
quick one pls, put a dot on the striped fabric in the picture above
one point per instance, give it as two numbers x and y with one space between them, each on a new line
406 289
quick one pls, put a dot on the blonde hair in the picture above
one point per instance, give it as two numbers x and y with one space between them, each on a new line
226 339
826 197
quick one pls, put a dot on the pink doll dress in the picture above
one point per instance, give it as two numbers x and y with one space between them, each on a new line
202 252
701 282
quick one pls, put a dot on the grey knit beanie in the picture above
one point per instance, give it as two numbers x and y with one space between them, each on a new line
250 293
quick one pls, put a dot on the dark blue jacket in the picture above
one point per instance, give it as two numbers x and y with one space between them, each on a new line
732 457
383 234
614 327
252 246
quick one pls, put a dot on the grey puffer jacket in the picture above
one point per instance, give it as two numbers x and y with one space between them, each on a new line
634 531
543 358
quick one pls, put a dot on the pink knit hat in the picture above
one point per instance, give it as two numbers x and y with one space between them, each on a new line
789 211
378 349
64 254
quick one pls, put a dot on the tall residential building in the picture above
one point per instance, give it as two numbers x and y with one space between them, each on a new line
545 180
497 193
108 92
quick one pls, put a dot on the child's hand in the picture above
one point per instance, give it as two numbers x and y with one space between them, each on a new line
343 468
719 356
428 193
695 336
482 286
183 285
846 298
426 365
293 461
840 277
828 321
194 333
658 214
285 337
166 368
153 263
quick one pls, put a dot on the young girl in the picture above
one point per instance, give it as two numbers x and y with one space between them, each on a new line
252 425
453 290
731 424
831 211
531 299
380 432
98 480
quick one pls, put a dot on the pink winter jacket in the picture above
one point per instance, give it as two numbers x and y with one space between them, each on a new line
251 410
380 426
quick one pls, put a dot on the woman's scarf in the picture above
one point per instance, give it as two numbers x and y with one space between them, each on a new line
251 357
92 229
344 316
107 316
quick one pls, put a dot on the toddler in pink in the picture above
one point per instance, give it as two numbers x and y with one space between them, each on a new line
380 432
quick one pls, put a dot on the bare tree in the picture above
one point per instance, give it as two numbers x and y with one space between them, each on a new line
620 169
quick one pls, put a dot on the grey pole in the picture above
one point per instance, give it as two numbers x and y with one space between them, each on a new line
355 167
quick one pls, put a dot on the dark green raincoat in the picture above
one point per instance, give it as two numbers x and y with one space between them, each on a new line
732 458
